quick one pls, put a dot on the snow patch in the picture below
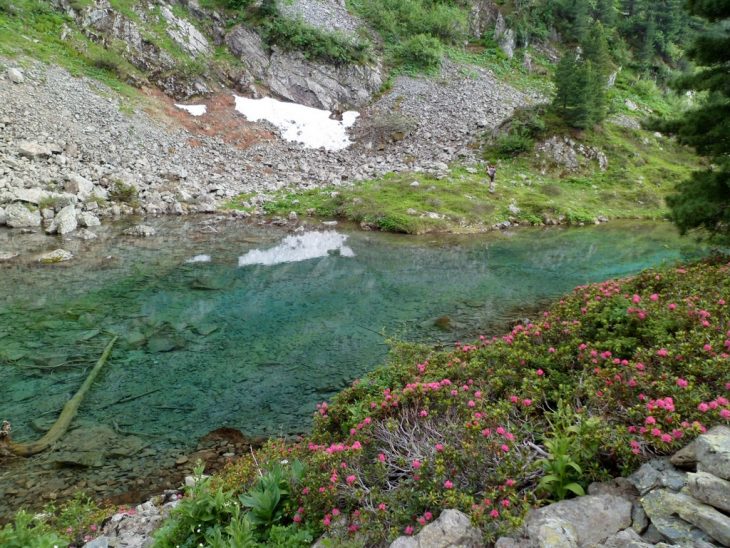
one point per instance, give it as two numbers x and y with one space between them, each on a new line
309 126
195 110
299 247
199 259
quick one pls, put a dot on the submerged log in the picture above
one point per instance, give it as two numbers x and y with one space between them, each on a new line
64 419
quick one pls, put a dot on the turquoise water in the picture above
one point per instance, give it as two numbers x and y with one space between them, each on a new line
210 344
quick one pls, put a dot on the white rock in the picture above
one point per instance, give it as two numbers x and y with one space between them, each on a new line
76 184
87 219
31 149
64 221
15 75
19 216
55 256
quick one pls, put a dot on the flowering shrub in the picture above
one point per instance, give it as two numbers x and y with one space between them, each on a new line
624 370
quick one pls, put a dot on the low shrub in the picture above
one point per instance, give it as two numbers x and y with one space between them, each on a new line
420 53
612 375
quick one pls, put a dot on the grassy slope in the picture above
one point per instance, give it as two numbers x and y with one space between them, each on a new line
642 169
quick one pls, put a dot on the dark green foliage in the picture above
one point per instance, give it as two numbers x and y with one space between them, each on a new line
291 34
420 53
518 135
704 200
581 81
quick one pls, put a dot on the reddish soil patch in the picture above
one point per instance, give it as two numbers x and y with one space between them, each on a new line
221 120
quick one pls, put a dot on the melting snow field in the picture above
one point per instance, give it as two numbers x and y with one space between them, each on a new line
299 247
199 259
310 126
195 110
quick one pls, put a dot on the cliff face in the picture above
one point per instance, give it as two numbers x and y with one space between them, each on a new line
187 50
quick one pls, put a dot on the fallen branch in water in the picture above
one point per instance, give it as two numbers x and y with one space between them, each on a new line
64 420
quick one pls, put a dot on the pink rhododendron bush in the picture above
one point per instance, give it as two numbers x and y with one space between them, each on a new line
612 375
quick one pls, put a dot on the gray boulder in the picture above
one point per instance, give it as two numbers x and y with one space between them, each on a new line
30 195
76 184
87 219
64 221
85 234
452 529
33 150
663 508
552 532
55 256
3 216
710 490
627 538
15 76
140 231
710 452
184 34
593 517
19 216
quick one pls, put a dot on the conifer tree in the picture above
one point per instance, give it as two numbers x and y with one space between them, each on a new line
703 201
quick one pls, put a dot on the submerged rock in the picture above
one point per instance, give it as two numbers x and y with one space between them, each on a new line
140 231
55 256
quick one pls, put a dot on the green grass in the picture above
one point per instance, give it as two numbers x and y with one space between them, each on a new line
642 169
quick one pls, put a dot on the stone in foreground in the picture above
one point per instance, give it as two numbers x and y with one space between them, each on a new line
19 216
56 256
140 231
593 517
452 529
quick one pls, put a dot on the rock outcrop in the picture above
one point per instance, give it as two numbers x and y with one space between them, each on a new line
658 504
451 529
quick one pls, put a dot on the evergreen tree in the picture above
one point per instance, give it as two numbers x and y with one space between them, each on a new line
606 12
581 82
703 201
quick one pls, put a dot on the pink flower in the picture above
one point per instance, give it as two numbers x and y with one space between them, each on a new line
423 413
439 447
327 520
421 521
725 414
707 348
703 407
505 447
654 297
305 491
428 516
667 438
672 306
662 352
448 484
636 299
540 372
486 432
350 480
382 507
381 457
297 518
494 513
357 445
682 383
408 530
416 464
500 431
471 403
92 527
650 420
527 402
335 512
551 350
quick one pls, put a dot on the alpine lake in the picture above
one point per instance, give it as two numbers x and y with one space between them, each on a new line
231 327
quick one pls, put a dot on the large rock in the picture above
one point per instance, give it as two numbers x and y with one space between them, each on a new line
19 216
15 75
33 150
30 195
627 538
291 76
64 221
87 219
710 452
657 473
452 529
710 490
184 34
552 532
3 216
55 256
76 184
140 231
594 517
714 523
663 507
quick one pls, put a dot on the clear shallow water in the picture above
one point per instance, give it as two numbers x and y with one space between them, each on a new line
206 343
